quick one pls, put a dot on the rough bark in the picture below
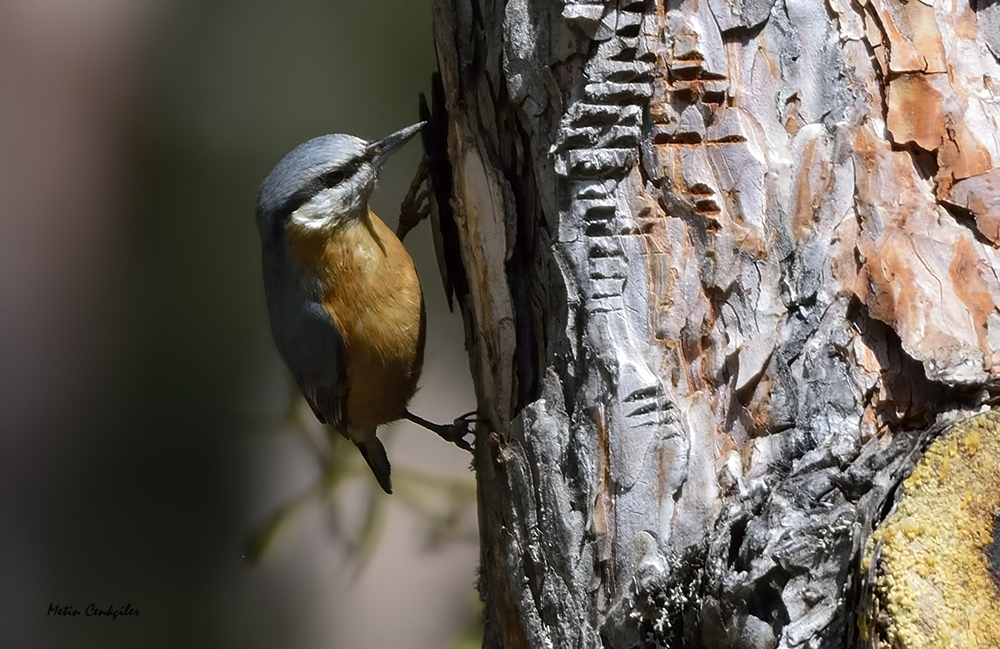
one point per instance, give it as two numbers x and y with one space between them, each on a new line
726 267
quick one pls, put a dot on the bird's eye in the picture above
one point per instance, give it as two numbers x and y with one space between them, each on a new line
333 178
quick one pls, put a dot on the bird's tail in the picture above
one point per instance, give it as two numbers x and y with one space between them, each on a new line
374 453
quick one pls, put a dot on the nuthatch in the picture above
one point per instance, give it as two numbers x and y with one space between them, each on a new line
346 308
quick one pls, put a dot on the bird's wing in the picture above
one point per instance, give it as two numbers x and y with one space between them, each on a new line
313 349
327 403
307 336
322 376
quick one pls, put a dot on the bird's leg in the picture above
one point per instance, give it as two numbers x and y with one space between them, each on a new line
415 207
454 432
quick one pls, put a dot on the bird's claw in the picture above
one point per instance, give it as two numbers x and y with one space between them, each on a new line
461 427
415 206
454 432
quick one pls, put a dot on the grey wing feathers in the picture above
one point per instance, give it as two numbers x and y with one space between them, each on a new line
306 336
327 404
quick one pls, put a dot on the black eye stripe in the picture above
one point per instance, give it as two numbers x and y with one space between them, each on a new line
325 180
332 178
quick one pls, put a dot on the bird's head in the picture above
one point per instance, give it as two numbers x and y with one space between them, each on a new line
324 183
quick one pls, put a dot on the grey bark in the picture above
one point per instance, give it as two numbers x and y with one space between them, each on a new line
725 268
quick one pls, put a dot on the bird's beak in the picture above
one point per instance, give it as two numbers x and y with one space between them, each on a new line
380 150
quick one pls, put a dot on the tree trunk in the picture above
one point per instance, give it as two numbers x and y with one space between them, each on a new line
726 268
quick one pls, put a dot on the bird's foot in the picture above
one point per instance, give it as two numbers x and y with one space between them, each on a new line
454 432
415 206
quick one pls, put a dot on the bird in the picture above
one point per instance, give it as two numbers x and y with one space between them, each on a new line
343 297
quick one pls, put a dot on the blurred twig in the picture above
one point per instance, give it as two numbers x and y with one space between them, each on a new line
439 500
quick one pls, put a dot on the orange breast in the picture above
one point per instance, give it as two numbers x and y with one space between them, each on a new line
371 290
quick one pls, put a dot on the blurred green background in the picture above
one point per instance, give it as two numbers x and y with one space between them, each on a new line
143 428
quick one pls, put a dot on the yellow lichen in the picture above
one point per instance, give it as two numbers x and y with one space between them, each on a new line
933 582
943 471
973 442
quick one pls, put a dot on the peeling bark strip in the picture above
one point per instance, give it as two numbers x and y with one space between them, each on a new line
731 266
